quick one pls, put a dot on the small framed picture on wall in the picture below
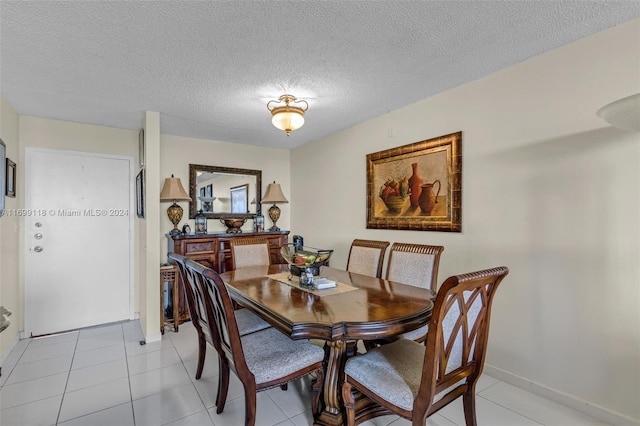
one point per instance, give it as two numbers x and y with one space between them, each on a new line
11 179
141 148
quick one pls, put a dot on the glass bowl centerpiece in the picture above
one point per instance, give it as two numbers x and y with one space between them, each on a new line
304 261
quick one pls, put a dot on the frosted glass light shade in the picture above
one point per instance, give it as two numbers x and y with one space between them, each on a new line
623 113
288 121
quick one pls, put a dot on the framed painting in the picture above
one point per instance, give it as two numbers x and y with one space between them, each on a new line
11 179
3 175
416 186
240 199
141 147
140 194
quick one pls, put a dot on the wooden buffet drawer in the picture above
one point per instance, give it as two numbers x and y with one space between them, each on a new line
200 247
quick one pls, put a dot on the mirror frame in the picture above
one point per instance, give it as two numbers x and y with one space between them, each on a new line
195 168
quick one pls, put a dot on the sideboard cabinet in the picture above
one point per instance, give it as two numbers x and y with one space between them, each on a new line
214 251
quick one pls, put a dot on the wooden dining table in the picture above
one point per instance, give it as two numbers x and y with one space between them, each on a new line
360 307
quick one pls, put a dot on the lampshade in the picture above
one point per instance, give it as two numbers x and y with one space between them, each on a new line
287 117
173 190
274 194
623 113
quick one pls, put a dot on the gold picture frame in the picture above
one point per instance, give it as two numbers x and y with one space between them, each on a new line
416 186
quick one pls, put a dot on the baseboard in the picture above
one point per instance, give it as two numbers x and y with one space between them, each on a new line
153 337
562 398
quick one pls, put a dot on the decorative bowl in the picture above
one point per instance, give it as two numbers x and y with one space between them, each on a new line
394 203
301 258
233 224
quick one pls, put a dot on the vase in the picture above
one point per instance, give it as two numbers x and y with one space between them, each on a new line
428 199
415 181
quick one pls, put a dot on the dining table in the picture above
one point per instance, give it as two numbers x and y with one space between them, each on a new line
359 307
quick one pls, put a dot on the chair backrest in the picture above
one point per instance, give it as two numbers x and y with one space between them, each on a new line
249 252
366 257
191 282
220 317
414 264
457 338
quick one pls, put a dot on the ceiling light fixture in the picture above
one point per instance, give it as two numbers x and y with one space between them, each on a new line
623 113
287 117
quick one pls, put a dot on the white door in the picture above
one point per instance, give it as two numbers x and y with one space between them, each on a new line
78 250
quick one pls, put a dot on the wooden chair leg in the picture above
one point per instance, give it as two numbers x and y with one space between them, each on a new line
223 385
469 403
202 353
349 403
249 406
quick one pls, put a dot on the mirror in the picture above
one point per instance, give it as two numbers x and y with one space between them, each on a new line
222 192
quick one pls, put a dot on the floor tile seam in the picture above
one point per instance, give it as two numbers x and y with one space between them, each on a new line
81 350
145 353
48 374
510 409
93 365
45 359
198 393
289 389
113 379
151 369
126 361
92 413
66 384
206 410
165 390
34 346
30 402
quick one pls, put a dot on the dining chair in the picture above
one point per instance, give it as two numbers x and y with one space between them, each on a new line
248 322
252 251
417 265
415 380
366 257
261 360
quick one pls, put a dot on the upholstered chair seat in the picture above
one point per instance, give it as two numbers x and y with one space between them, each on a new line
248 322
271 355
415 380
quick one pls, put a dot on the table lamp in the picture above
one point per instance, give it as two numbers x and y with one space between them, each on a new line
173 191
274 195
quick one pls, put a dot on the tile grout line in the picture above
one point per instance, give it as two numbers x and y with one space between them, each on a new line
64 391
126 360
190 381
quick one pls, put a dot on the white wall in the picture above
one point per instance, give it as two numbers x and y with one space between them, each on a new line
176 153
549 190
10 294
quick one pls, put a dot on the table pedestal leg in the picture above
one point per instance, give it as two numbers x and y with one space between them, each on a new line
333 410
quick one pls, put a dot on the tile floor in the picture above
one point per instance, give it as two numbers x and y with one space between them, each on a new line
102 376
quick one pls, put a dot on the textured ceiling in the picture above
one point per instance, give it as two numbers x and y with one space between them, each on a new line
210 67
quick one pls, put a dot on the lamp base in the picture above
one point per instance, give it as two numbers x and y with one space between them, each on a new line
174 212
274 214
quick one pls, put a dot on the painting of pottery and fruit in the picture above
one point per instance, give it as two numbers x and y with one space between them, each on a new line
416 186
